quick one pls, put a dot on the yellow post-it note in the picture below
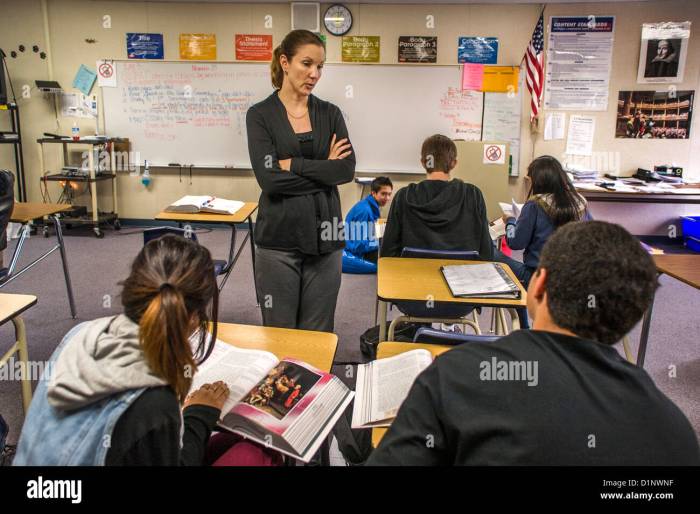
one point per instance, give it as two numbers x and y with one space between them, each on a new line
500 79
198 47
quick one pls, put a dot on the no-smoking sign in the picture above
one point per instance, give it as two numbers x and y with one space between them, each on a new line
106 73
494 154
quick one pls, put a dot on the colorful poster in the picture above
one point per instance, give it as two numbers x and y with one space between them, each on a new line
417 49
84 79
198 47
483 50
144 46
253 47
360 49
472 76
654 114
579 58
500 79
663 52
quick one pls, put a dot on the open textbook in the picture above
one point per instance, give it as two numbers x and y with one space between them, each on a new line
383 385
191 204
488 280
497 228
287 405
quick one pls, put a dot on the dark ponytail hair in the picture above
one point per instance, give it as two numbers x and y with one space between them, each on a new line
289 47
171 283
548 177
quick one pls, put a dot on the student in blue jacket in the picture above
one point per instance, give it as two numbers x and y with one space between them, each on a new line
552 202
361 243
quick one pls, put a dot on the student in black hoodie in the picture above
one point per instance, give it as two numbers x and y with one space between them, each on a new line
559 394
439 213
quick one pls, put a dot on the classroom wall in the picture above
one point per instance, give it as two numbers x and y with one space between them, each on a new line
70 22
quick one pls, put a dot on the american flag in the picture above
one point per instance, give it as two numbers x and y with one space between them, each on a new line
534 57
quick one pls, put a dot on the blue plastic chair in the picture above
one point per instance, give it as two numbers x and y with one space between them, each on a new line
432 336
440 312
150 234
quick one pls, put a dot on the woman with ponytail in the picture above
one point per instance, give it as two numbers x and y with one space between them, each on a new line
116 389
300 152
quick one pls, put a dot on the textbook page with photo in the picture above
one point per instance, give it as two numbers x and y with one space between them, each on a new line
192 204
382 386
287 405
488 280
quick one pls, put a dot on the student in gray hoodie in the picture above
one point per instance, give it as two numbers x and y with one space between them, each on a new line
439 213
117 387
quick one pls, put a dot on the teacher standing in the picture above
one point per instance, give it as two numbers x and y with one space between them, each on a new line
300 152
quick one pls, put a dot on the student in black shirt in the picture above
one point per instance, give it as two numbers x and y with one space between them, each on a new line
439 213
300 152
559 394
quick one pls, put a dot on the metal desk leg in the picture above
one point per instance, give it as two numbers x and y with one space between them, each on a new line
25 230
66 274
252 256
232 256
383 306
21 338
644 337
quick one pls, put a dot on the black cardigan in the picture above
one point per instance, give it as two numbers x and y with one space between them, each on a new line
296 205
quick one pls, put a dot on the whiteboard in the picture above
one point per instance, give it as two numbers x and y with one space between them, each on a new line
193 113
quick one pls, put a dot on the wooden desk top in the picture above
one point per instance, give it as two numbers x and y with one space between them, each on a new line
12 305
315 348
25 212
392 348
239 216
401 278
685 267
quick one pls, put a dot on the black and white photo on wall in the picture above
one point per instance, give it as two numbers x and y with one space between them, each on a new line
663 52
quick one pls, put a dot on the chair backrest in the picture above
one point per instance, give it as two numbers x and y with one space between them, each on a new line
7 203
432 336
427 253
154 233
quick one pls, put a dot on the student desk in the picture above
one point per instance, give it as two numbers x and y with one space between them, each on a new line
11 306
401 278
243 214
315 348
685 268
390 349
24 213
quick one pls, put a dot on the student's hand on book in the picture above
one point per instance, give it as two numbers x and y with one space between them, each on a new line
506 217
339 150
213 395
285 164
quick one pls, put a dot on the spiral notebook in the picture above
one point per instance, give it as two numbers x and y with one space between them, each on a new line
488 280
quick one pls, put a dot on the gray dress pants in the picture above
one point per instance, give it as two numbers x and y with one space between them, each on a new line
297 290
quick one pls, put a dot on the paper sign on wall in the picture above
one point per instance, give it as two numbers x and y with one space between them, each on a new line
554 125
84 79
580 139
494 154
253 47
141 45
198 47
106 73
472 76
360 48
500 79
482 50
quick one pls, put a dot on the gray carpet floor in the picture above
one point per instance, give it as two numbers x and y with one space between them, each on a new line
97 265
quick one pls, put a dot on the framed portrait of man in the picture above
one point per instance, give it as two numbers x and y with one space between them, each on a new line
663 52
